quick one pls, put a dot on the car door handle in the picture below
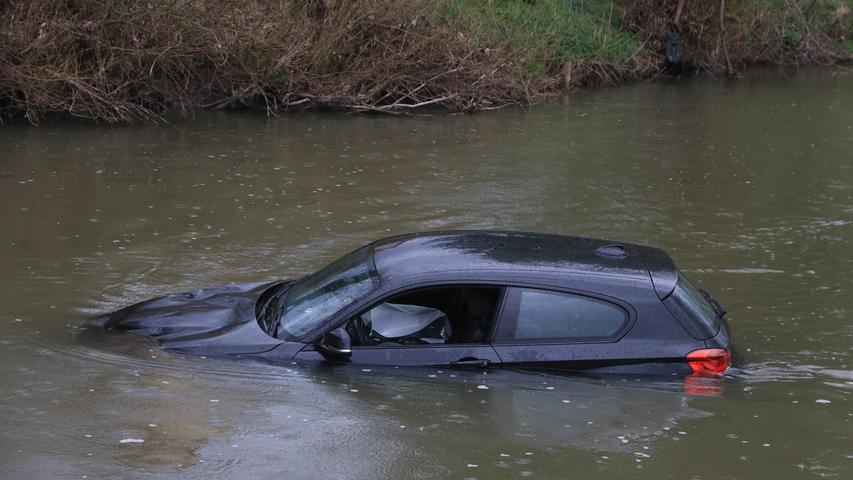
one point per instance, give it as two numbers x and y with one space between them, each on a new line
471 362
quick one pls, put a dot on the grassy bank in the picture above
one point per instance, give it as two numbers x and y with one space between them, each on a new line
126 60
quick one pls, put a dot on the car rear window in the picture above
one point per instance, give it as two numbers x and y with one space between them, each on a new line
689 306
545 315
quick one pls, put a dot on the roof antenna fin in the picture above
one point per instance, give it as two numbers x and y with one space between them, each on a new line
611 251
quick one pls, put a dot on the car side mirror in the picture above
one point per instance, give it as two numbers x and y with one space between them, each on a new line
336 343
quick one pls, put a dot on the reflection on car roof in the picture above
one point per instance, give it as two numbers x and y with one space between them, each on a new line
494 251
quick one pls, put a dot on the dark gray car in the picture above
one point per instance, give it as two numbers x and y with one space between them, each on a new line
460 298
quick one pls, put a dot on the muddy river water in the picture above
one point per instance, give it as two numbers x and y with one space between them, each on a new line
748 185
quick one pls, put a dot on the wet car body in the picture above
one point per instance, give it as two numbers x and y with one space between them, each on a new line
494 299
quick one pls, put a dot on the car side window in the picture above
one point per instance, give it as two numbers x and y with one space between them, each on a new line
532 314
428 316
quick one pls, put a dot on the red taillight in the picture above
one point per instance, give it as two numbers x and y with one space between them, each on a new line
715 360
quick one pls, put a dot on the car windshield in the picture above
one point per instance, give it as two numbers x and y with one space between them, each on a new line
315 298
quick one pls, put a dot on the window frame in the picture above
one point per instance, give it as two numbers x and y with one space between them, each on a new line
499 306
509 318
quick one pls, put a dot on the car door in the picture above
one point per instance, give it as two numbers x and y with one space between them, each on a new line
471 356
543 328
455 302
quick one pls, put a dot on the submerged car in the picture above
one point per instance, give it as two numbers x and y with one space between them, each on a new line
460 299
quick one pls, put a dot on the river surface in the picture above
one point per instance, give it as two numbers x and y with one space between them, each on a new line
747 184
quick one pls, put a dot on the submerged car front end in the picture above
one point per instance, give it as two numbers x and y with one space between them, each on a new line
208 321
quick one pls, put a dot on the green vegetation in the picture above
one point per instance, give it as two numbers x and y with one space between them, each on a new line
126 60
795 31
551 36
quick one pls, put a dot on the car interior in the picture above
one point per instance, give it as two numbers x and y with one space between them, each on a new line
428 316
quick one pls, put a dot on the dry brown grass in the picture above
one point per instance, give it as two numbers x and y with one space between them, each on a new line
125 61
726 35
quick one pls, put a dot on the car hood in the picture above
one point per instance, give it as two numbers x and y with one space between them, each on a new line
208 321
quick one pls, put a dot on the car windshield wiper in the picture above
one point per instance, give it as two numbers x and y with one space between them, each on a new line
714 303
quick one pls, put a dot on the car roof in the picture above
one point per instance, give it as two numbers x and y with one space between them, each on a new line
424 254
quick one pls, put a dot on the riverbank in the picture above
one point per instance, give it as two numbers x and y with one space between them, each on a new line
126 61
